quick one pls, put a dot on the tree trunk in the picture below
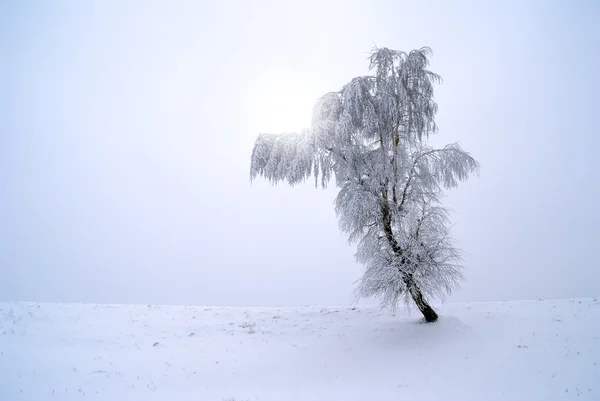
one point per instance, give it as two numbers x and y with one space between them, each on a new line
413 288
417 296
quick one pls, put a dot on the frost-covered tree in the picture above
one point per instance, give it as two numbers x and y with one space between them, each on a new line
370 138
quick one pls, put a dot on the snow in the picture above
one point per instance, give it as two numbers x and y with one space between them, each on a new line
527 350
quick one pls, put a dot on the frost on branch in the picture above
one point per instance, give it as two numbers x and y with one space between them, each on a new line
283 157
370 137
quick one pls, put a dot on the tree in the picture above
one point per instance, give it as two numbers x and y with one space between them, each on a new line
371 139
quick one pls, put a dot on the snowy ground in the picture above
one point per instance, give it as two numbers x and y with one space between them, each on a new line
534 350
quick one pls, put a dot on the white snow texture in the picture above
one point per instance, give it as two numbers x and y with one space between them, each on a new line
518 351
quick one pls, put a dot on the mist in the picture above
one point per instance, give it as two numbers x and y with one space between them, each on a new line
126 130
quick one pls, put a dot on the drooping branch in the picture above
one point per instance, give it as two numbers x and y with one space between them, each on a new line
449 164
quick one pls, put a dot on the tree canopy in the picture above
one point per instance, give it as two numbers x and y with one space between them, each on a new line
370 138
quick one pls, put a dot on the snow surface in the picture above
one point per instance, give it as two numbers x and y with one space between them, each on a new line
531 350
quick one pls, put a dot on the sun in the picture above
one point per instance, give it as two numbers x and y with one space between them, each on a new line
281 102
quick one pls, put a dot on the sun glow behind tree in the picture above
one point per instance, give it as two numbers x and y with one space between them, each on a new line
280 102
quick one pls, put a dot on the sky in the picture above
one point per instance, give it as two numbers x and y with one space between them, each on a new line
126 129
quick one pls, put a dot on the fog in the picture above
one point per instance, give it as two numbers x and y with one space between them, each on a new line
126 130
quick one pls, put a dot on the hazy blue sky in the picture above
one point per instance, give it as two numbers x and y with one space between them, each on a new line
126 129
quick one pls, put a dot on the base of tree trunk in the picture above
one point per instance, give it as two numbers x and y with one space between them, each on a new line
428 312
424 307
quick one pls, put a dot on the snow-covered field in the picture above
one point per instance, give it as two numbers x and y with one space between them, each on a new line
533 350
